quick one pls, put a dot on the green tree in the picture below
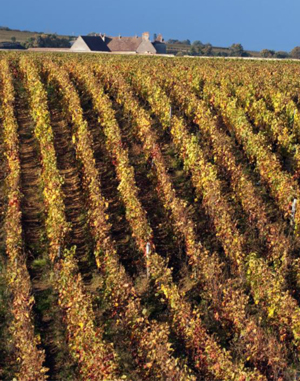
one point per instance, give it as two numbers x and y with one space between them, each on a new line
193 51
206 50
171 41
185 42
30 42
266 53
221 54
197 43
281 54
47 41
13 39
295 53
236 50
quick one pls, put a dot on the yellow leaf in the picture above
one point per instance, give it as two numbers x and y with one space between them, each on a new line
271 311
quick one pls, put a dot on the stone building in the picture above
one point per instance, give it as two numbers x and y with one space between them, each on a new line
159 45
89 44
128 45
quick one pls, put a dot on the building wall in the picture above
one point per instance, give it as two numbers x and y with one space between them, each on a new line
80 46
161 48
146 47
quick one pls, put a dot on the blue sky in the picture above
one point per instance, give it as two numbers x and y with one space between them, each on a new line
256 24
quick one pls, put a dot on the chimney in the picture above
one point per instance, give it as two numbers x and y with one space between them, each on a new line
145 36
102 36
159 38
120 37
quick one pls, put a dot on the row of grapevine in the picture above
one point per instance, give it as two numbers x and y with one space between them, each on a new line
276 126
29 357
222 149
282 186
121 91
203 173
278 96
95 358
205 266
276 280
281 308
278 92
141 229
123 299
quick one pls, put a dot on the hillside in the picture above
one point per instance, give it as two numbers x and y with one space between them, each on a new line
21 36
149 222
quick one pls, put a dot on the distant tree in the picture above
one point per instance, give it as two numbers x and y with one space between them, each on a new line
185 42
92 34
154 36
170 41
281 54
193 51
236 50
30 42
245 54
40 42
196 50
179 54
47 41
295 53
221 54
13 39
266 53
197 43
52 41
206 50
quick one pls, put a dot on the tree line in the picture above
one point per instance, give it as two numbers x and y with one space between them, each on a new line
197 48
41 41
47 41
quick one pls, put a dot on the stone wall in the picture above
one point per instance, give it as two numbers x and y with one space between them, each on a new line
80 46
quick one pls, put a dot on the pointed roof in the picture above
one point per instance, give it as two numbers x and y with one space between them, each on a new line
95 43
123 43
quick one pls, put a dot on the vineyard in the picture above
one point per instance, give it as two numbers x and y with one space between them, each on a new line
149 218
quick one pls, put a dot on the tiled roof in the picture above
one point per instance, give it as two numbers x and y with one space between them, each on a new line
119 44
95 43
